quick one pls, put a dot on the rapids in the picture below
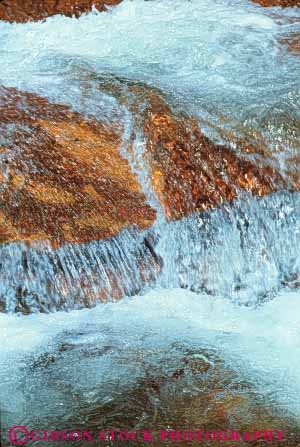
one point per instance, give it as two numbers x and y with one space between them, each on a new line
219 59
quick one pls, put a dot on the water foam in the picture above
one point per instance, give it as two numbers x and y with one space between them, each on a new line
217 58
261 344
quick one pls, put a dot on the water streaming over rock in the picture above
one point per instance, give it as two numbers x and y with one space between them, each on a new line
234 80
246 252
41 279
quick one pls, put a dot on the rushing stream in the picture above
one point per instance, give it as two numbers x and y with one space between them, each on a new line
225 288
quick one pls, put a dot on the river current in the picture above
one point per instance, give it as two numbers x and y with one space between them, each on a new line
229 285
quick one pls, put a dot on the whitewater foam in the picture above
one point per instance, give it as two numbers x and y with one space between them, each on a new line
216 58
263 344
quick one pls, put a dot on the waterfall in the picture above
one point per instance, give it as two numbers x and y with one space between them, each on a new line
246 252
202 69
39 278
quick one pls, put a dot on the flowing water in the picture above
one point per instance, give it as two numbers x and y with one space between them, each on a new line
225 287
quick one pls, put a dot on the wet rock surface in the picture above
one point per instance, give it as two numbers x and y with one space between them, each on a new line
32 10
62 177
282 3
56 163
75 226
72 213
190 172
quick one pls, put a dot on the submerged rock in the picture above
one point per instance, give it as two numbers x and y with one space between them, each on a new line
28 10
292 42
175 394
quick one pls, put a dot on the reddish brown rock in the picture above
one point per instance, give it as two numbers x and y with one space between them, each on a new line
282 3
31 10
191 173
62 176
63 180
57 164
211 404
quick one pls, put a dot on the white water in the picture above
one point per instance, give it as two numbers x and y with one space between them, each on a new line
44 279
245 252
219 57
213 58
262 344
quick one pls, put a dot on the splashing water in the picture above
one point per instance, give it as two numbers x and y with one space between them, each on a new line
40 278
53 367
216 57
260 238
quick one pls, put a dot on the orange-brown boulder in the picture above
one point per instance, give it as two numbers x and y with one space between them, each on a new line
57 164
31 10
62 176
189 171
282 3
63 180
68 200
